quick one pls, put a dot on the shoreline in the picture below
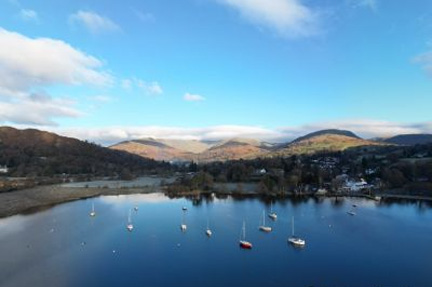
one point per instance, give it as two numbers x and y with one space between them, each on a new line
31 200
42 197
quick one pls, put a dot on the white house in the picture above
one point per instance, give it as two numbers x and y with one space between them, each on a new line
356 185
3 169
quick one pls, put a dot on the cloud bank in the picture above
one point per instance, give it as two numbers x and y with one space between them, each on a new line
287 17
93 22
365 128
193 97
28 66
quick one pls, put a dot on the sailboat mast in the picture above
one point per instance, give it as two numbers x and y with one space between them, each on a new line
129 217
292 225
244 231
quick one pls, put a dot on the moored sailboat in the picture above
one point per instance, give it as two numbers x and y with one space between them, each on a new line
263 227
243 243
129 226
183 225
295 240
93 212
208 230
272 214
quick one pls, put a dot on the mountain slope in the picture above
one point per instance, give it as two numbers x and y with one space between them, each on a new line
183 150
234 149
238 148
410 139
325 140
33 153
155 149
327 132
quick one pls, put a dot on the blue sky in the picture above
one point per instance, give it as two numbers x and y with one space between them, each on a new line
210 69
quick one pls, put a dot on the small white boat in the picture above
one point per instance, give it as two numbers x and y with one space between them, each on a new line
136 208
295 240
243 243
263 227
184 208
351 213
208 230
129 226
183 225
93 212
272 214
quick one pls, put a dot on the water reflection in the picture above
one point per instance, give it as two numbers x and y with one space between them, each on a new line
64 246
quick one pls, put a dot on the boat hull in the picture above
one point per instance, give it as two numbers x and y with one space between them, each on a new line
245 244
265 228
296 241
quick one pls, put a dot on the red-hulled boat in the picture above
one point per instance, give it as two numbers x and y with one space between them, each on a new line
243 243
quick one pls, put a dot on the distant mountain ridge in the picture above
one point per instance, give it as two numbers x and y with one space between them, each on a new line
187 150
409 139
239 148
324 132
323 140
35 152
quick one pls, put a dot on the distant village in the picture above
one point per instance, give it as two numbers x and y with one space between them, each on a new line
359 171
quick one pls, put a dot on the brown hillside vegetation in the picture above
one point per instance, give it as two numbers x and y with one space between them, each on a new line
38 153
324 142
238 148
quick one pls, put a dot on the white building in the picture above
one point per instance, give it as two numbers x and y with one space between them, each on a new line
3 169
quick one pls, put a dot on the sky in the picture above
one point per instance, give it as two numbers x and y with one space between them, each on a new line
108 71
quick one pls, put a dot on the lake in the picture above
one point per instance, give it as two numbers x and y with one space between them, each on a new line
382 245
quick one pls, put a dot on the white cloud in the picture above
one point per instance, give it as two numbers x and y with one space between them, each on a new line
114 134
193 98
44 61
29 15
371 4
28 65
286 17
126 84
425 60
149 88
365 128
143 16
153 88
36 110
101 99
94 22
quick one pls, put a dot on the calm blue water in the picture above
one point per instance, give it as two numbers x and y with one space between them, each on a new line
383 245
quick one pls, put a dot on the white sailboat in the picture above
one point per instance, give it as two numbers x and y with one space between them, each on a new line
208 230
93 212
263 227
243 243
272 214
129 226
183 225
296 241
351 212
